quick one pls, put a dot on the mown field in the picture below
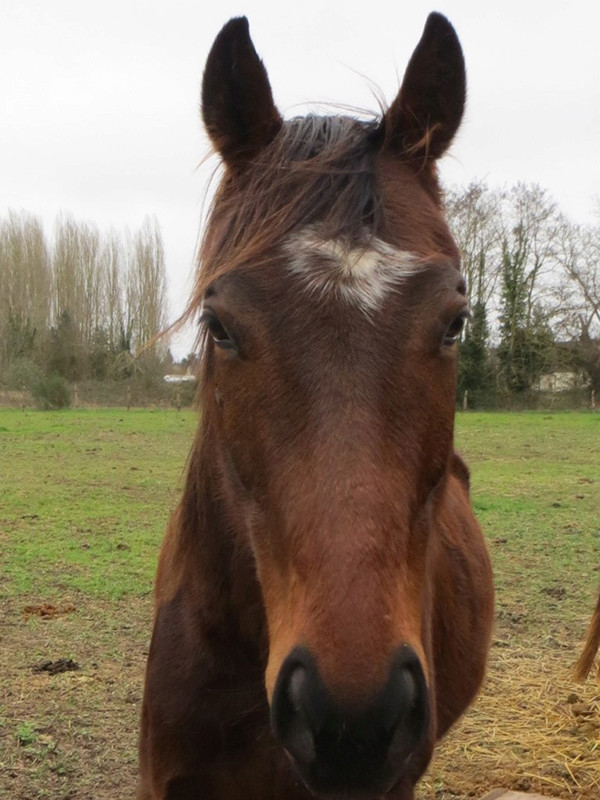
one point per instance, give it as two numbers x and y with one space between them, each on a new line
84 499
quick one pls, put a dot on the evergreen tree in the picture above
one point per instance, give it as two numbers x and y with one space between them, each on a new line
526 341
474 373
64 349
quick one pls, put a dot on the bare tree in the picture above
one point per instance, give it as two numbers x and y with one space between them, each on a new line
475 217
25 280
577 298
474 214
93 280
79 277
68 291
113 269
146 286
532 232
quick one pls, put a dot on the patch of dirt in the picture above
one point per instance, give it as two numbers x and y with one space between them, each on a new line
510 617
56 667
48 611
557 592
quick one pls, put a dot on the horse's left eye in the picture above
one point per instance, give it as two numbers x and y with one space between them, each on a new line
217 330
454 330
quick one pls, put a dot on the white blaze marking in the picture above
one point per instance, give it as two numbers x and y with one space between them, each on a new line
362 275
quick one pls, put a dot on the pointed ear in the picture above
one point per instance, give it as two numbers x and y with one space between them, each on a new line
425 115
237 103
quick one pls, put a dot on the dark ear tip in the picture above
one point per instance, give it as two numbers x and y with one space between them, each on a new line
440 34
439 27
438 22
237 29
236 100
235 25
234 33
424 117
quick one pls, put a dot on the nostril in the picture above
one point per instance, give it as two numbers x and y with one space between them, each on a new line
297 687
411 701
404 701
301 739
300 743
290 720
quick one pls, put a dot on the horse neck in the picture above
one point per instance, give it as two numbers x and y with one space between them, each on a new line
211 543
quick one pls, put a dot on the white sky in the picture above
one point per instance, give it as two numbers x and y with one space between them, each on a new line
99 100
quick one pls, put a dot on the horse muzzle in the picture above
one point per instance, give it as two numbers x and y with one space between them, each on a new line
357 752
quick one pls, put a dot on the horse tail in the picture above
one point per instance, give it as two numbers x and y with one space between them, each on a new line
592 644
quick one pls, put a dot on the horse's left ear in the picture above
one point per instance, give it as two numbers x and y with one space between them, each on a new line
237 102
422 120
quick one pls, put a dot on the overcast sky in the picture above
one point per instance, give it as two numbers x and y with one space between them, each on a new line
99 100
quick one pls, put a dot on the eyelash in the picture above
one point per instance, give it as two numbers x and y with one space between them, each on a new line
454 330
218 332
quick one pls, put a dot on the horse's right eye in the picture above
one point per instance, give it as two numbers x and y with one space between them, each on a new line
218 331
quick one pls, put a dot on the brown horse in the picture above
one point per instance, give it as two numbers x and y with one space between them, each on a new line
584 665
324 596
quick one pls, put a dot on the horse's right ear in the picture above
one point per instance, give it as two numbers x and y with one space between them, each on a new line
237 103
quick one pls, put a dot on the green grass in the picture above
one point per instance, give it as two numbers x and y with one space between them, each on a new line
85 498
536 491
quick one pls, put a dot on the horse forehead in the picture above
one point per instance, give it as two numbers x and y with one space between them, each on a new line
361 274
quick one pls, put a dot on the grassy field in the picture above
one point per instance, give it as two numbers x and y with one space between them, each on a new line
84 499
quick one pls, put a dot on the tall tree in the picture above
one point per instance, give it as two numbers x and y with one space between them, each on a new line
146 287
113 268
474 216
25 279
577 298
528 256
474 371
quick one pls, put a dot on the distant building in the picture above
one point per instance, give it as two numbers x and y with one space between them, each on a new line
559 381
179 378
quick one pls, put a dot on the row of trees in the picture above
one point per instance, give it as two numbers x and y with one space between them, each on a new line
81 305
534 290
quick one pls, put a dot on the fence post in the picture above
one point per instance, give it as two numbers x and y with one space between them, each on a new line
466 400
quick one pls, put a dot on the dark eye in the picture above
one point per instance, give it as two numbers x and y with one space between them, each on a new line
217 330
454 330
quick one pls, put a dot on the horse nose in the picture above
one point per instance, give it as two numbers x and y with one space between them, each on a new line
336 748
